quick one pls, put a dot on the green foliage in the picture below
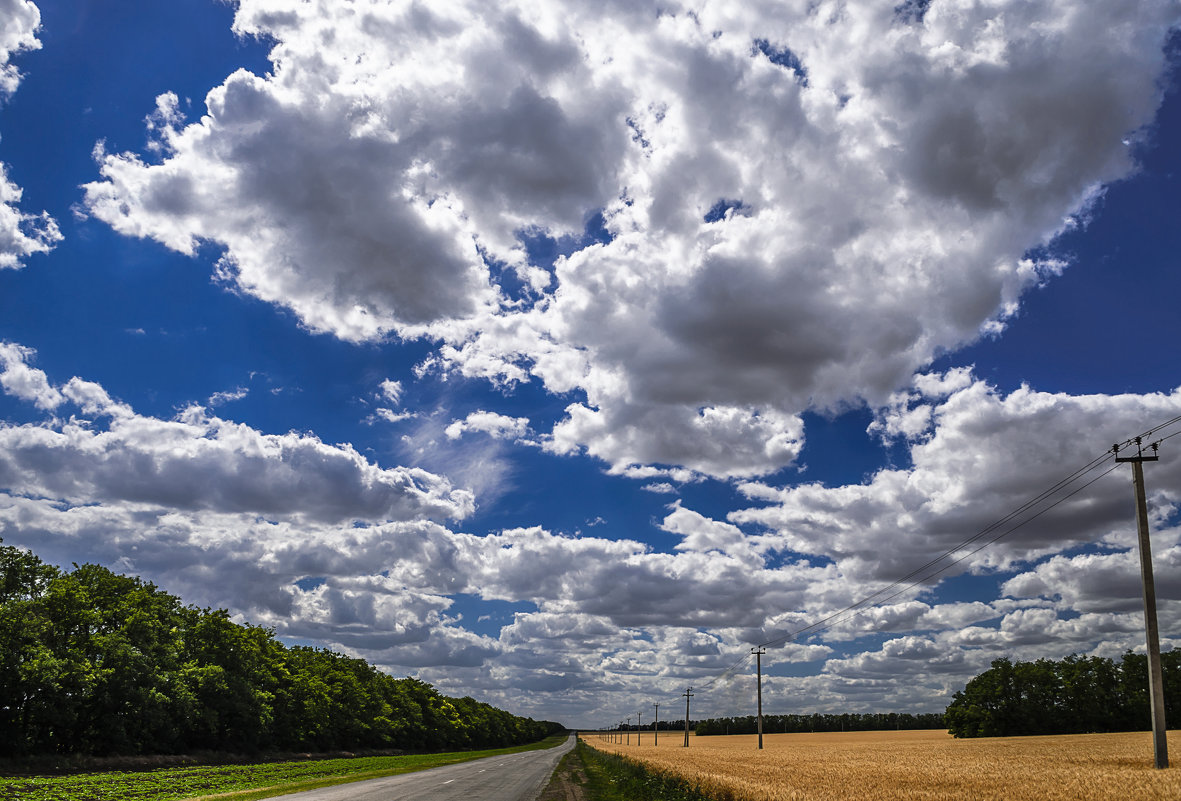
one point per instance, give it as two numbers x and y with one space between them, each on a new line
92 662
1075 695
614 778
189 782
874 721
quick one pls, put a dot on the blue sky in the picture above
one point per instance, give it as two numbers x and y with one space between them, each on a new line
559 353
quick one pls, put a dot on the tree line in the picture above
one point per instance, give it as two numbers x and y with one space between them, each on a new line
1075 695
871 721
97 663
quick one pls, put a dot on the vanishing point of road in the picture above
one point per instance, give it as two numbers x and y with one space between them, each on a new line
513 777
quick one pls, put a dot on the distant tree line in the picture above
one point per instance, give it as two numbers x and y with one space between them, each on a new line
92 662
870 721
1075 695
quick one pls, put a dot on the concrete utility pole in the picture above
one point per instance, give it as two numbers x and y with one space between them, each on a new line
629 731
758 652
656 726
638 728
688 694
1156 690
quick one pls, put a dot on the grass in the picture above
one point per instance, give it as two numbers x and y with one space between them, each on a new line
612 778
236 782
909 766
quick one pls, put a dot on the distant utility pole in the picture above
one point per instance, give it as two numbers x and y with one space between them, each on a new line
638 728
1156 690
688 694
629 731
656 725
758 652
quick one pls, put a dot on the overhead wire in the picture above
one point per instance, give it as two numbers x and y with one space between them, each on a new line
901 585
865 601
813 629
1043 496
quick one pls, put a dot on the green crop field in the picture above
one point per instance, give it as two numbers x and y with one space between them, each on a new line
245 782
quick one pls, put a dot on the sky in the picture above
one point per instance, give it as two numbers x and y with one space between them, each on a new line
560 353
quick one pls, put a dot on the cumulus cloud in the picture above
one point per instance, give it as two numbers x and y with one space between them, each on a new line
495 425
762 210
631 621
699 533
25 382
442 132
197 461
984 455
18 29
21 234
1104 581
778 233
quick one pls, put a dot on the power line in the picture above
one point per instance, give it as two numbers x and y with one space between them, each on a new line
864 604
857 609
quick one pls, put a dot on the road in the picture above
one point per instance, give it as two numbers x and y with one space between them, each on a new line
514 777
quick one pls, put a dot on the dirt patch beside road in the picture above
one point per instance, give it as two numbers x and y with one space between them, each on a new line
568 781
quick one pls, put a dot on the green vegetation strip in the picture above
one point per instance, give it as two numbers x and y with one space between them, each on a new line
614 778
239 782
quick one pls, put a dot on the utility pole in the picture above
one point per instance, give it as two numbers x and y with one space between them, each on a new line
758 652
629 731
688 694
1156 690
638 728
656 726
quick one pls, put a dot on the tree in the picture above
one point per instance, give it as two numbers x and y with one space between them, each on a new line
92 662
1069 696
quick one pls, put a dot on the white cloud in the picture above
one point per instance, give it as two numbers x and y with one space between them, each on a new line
700 533
390 416
1108 581
632 622
442 131
22 381
19 21
495 425
880 206
986 455
392 391
228 396
21 234
775 245
198 462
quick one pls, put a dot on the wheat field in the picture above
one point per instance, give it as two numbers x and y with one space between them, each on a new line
912 765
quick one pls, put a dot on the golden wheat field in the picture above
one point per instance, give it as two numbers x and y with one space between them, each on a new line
911 765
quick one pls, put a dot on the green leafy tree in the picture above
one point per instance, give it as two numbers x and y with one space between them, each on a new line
92 662
1068 696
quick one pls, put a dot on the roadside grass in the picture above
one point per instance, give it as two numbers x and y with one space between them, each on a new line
236 782
614 778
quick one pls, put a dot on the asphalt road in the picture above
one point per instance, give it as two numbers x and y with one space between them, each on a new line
515 777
